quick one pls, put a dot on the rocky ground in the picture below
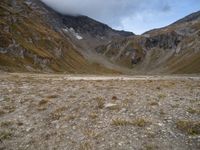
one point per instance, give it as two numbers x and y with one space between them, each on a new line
100 113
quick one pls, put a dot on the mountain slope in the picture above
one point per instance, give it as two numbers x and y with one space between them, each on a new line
32 38
35 38
173 49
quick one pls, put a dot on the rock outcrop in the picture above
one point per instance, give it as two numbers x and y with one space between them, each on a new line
173 49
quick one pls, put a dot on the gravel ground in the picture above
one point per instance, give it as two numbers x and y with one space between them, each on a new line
99 113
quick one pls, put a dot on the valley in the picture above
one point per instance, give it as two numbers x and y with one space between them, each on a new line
41 111
69 82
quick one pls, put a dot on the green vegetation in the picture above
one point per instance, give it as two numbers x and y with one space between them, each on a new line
5 135
193 110
189 127
6 123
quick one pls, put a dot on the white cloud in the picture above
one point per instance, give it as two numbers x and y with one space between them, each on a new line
121 14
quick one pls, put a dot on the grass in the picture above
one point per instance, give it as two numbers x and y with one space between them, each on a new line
153 103
5 135
58 113
70 117
189 127
43 102
9 108
151 147
140 122
85 146
193 110
100 102
162 112
2 112
52 96
90 133
93 115
162 96
47 99
6 123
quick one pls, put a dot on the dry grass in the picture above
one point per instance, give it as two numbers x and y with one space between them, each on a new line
6 123
9 108
85 146
153 103
90 133
162 96
93 115
189 127
70 117
193 110
58 113
2 112
151 147
140 122
100 102
5 135
43 102
52 96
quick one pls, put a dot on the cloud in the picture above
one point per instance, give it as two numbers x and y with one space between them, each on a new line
117 13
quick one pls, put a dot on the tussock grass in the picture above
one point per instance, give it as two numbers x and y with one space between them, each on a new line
153 103
52 96
93 115
5 135
85 146
90 133
193 110
189 127
100 102
2 112
140 122
6 123
151 147
162 96
58 113
43 102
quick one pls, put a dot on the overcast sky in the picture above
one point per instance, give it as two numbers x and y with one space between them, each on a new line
137 16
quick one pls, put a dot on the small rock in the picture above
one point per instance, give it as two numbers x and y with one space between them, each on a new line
120 144
123 110
110 105
160 124
74 128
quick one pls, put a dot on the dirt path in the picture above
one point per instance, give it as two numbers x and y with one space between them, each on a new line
39 111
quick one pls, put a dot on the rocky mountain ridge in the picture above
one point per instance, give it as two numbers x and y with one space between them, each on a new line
172 49
35 38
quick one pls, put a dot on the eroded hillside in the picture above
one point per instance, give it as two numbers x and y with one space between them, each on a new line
35 38
32 40
173 49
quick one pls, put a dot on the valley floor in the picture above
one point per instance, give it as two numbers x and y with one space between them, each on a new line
39 111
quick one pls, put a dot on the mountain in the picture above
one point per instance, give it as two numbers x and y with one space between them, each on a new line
172 49
35 38
189 18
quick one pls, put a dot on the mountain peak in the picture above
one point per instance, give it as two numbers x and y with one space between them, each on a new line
192 17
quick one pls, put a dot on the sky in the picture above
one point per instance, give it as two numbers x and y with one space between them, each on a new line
137 16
